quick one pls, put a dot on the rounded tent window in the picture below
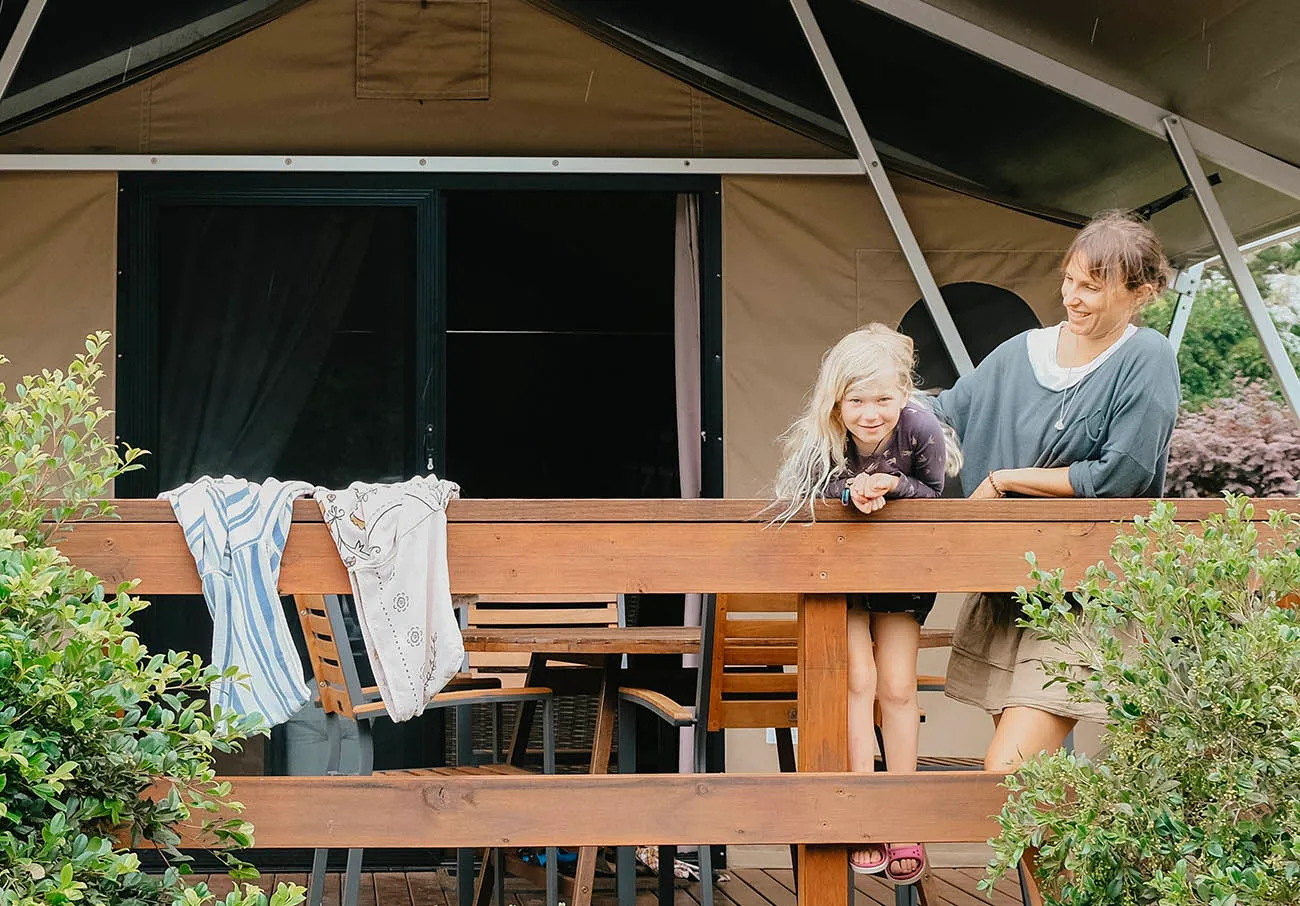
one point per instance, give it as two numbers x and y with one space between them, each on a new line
985 316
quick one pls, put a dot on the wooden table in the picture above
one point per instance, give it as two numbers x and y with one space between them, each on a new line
602 648
590 641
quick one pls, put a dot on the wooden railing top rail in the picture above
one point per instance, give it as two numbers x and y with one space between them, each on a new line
760 511
671 546
404 810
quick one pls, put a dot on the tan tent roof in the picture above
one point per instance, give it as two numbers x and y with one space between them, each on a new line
1228 64
1231 65
737 79
347 77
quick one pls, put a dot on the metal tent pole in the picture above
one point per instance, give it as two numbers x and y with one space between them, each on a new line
1235 262
18 42
1187 284
934 301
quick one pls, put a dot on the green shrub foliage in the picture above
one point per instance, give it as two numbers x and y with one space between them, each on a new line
1194 647
89 719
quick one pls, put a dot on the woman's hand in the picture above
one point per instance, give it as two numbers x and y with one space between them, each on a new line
1053 482
986 490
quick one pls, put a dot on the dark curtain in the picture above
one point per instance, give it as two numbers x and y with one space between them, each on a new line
252 297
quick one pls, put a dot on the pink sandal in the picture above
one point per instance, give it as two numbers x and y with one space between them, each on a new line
871 868
897 853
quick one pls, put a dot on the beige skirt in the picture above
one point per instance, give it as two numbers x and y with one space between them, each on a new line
996 664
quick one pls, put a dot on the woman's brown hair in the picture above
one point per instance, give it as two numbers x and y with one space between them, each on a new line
1120 250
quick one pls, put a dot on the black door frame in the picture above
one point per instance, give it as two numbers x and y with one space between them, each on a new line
141 196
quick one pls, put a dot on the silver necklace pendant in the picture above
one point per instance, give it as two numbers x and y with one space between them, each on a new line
1060 425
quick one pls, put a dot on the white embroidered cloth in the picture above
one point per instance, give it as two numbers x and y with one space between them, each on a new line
393 541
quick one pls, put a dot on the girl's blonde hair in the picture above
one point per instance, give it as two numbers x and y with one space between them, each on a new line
815 442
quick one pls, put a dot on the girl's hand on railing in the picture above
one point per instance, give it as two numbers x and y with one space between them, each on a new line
867 491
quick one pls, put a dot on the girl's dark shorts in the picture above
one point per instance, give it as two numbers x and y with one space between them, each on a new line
918 605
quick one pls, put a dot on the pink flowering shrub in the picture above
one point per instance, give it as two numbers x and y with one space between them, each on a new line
1246 444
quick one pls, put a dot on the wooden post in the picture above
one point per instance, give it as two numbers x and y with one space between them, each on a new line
584 878
823 732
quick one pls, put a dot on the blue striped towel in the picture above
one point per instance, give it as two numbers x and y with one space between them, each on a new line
236 530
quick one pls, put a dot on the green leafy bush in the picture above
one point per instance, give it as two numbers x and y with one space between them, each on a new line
1220 344
89 719
1195 651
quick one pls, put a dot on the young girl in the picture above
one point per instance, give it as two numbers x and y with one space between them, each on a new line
863 441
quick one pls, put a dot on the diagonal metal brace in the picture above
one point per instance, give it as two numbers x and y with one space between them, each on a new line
934 302
13 52
1235 263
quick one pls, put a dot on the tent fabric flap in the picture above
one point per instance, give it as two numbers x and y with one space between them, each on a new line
58 269
432 50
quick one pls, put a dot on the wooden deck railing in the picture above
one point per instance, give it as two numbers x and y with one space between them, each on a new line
664 546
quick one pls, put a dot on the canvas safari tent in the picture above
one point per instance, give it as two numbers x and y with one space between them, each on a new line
544 245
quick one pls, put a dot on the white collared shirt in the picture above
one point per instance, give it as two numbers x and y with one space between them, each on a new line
1042 343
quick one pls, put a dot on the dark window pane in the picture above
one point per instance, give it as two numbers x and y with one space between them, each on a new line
562 416
582 261
285 342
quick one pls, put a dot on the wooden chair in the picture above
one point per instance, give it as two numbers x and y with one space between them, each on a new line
510 669
574 712
342 697
747 680
532 612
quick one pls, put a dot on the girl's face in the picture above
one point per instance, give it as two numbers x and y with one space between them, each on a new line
1093 310
870 412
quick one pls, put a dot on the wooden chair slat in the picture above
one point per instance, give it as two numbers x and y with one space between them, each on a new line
762 629
736 715
328 672
666 706
761 655
317 625
771 683
323 654
533 617
335 701
763 603
548 599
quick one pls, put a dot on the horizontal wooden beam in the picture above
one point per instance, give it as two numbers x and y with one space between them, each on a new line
504 558
404 810
760 511
519 558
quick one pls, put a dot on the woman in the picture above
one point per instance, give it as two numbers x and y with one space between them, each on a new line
1085 408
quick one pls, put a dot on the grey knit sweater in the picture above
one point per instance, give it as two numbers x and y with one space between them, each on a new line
1118 420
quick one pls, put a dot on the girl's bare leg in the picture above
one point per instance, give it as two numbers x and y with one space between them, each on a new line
898 636
862 697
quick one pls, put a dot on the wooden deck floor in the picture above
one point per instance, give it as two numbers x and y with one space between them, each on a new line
745 887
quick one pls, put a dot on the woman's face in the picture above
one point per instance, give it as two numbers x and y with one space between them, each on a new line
1092 309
